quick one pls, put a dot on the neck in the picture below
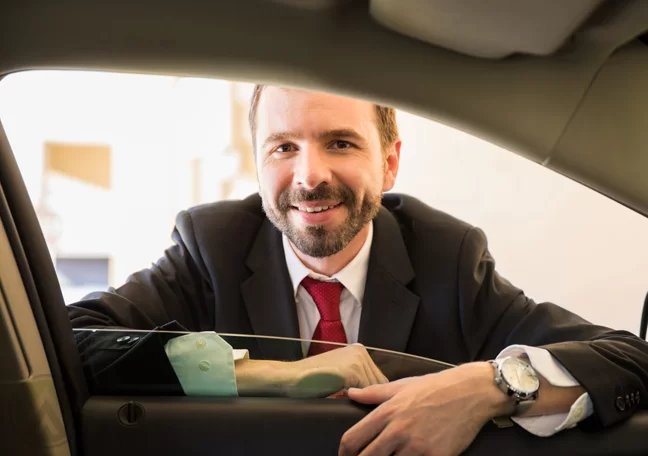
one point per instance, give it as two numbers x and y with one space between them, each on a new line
335 263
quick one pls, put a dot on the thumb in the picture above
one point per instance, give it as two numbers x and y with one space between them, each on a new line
374 394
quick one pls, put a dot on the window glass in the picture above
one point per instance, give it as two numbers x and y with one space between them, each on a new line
110 159
80 276
101 349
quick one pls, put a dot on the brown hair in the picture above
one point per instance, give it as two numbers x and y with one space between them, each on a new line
385 120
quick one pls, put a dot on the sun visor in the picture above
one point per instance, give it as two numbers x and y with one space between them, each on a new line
487 28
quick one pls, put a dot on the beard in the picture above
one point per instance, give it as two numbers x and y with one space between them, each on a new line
319 241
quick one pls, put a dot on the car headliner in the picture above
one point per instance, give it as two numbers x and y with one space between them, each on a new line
580 111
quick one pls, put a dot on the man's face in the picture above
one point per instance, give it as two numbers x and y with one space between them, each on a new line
321 167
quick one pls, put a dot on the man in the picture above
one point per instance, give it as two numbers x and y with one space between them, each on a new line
323 253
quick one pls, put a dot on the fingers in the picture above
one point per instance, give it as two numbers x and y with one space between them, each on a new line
342 394
379 435
366 377
384 445
379 393
378 376
372 372
351 363
376 394
360 435
381 377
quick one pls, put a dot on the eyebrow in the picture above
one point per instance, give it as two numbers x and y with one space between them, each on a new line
328 134
277 137
341 133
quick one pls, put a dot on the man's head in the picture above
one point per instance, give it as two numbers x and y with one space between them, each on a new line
323 162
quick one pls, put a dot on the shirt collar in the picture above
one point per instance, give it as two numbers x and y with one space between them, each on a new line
353 276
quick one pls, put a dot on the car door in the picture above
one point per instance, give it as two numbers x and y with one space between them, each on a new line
49 411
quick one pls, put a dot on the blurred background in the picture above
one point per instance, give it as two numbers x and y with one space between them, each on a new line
110 159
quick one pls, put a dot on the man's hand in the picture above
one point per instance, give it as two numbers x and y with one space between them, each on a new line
437 414
333 371
316 376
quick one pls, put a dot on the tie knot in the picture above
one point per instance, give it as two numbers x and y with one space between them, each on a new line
326 296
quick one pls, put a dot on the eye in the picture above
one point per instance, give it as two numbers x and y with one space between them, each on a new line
284 148
341 144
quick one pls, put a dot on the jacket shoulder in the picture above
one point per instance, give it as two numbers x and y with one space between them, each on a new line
435 241
418 218
223 221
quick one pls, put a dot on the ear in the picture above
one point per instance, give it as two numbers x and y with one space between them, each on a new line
392 160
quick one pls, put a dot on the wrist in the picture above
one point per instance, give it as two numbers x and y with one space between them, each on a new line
494 401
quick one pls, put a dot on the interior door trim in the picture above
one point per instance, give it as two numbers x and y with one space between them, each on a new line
34 421
41 286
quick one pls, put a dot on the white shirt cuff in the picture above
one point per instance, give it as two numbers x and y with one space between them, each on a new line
556 374
204 364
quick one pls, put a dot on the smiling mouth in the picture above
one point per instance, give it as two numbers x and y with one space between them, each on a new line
316 209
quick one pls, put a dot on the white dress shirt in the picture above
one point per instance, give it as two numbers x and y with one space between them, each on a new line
353 277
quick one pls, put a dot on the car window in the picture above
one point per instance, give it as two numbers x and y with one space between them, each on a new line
101 348
110 160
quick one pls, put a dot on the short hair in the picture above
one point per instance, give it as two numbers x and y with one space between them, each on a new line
385 120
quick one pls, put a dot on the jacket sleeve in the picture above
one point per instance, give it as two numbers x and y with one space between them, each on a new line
612 366
176 288
172 295
126 362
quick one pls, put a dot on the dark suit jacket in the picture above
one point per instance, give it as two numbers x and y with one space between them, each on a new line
431 290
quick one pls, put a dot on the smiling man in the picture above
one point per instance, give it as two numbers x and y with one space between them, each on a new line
323 253
323 166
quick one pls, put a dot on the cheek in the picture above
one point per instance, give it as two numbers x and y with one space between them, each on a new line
364 182
273 180
375 179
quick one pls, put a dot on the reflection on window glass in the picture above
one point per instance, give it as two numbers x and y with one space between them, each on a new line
134 362
110 159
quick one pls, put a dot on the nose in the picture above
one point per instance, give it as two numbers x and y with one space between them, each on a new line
312 168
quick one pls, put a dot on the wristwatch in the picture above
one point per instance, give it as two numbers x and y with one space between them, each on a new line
517 379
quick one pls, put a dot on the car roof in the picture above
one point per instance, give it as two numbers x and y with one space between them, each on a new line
570 96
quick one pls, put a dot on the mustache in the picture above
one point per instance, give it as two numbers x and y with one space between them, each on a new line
293 196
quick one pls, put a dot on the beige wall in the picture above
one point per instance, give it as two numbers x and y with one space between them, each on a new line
89 163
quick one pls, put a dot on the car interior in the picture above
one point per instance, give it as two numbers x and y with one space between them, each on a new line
561 83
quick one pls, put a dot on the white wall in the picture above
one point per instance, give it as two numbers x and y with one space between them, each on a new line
556 239
154 125
552 237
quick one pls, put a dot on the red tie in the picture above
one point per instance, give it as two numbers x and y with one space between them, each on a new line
327 299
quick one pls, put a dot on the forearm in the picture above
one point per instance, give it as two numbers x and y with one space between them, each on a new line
553 399
289 379
315 376
263 378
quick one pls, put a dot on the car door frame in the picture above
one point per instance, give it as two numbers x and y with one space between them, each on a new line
39 389
291 425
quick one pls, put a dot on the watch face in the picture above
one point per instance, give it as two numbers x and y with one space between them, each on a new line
520 376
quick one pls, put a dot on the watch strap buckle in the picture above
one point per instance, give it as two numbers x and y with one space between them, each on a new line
503 422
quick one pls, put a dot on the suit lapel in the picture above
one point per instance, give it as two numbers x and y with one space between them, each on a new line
389 308
269 297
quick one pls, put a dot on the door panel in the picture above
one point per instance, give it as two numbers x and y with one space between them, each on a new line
184 425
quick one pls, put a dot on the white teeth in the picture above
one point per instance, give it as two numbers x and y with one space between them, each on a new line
315 209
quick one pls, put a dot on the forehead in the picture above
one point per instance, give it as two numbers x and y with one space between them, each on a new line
304 112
